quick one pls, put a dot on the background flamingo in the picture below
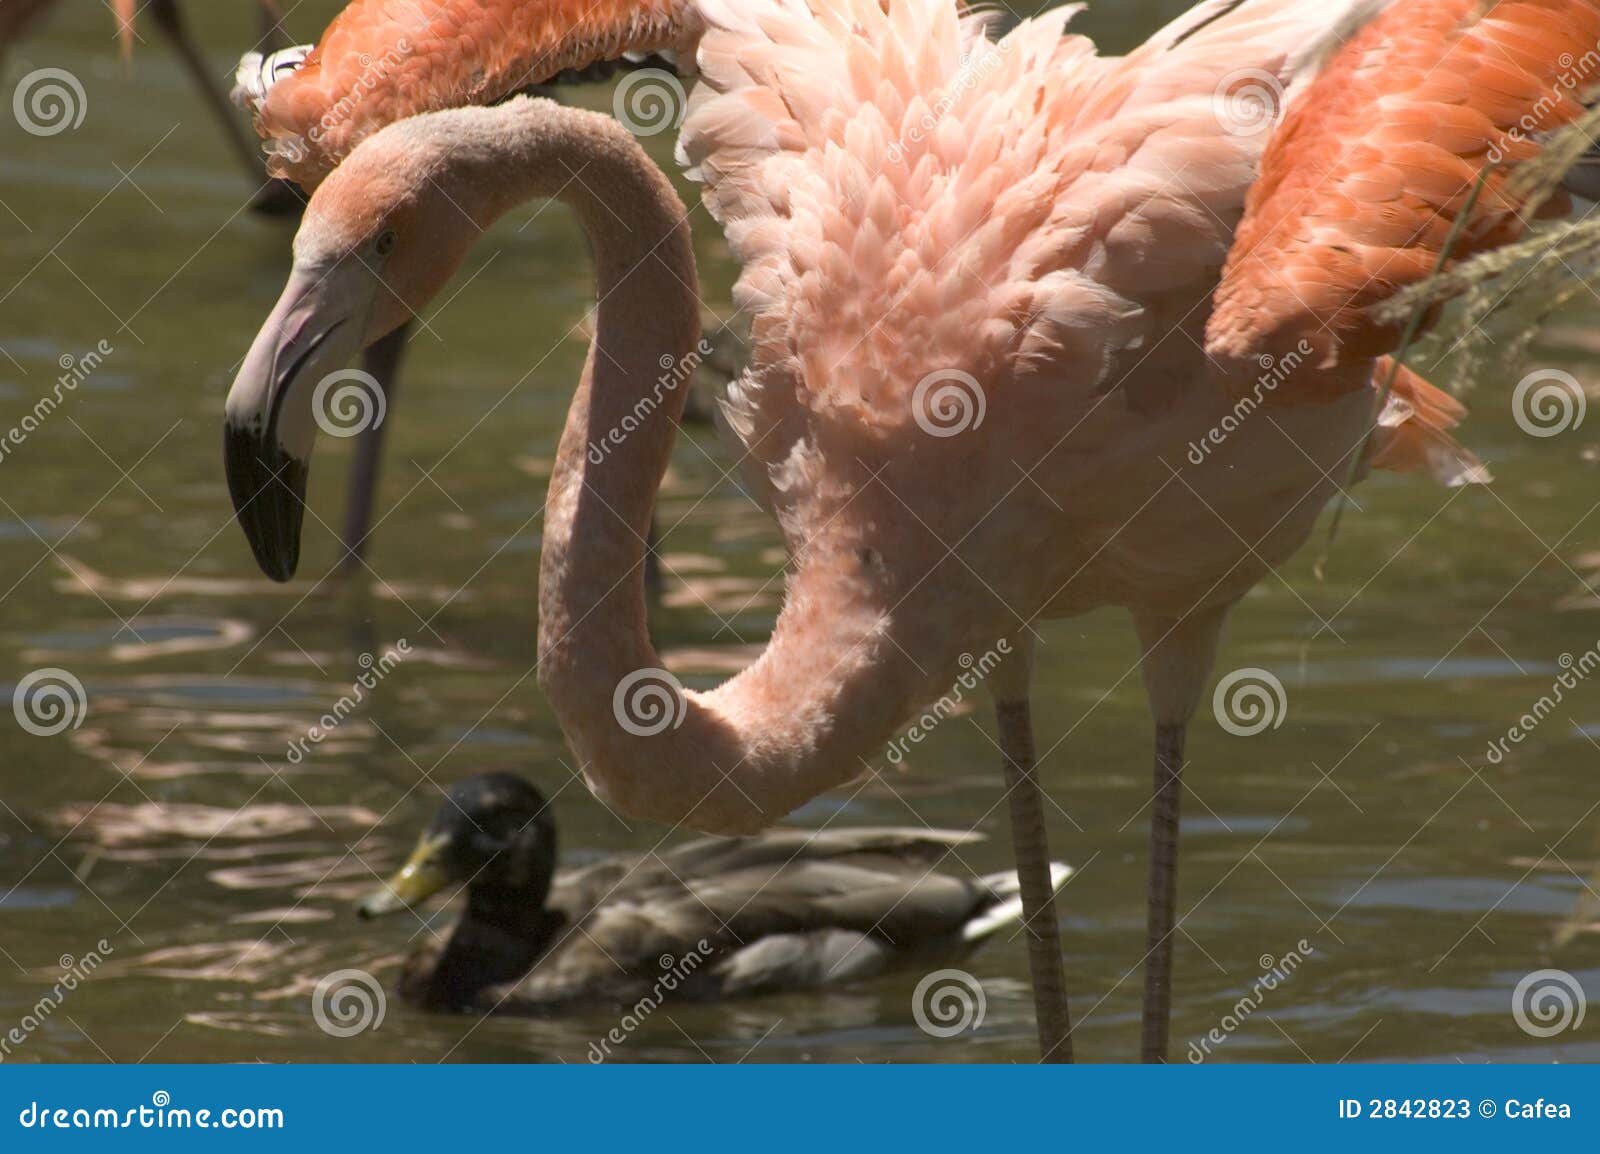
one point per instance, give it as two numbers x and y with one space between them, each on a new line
1051 239
19 17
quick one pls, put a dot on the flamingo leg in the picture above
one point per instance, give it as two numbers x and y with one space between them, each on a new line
275 197
652 566
1177 654
273 36
1163 893
1030 844
382 363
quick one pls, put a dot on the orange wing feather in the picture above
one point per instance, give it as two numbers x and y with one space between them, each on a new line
1376 159
1412 434
384 60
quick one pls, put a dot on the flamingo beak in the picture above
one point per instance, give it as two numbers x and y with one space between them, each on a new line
314 330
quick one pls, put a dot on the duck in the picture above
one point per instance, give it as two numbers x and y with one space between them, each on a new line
714 918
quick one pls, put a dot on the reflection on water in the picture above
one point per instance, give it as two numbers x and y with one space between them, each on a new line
171 822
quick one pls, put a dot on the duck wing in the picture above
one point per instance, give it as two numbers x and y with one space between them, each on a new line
784 910
641 879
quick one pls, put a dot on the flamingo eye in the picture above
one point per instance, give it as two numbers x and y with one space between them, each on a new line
385 243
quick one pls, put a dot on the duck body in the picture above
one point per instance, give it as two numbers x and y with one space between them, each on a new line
786 910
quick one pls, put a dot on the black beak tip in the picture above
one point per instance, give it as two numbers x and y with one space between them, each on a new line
268 488
280 569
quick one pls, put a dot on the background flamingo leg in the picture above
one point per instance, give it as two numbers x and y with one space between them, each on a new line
652 566
382 362
275 197
273 35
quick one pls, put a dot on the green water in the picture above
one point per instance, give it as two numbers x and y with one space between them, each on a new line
1424 881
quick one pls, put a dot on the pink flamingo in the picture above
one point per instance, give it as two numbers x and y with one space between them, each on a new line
256 73
985 279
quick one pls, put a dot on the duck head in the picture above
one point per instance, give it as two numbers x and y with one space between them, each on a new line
493 834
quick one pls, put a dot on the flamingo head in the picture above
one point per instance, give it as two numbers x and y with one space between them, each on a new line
381 237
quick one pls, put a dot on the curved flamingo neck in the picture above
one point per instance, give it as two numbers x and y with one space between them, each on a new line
831 686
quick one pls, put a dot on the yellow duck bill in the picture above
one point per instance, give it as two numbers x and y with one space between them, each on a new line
423 875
